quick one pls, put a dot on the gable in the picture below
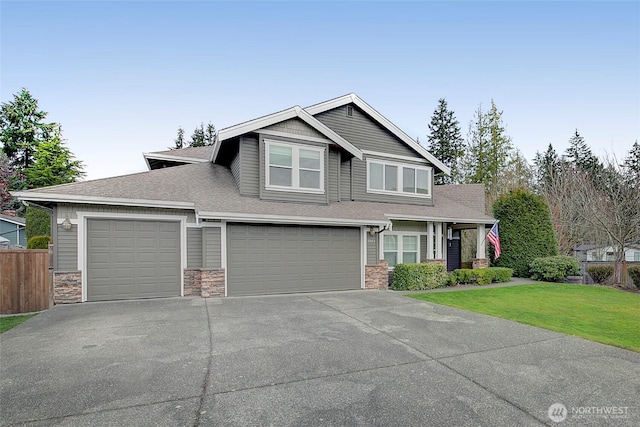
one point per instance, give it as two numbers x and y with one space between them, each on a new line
364 132
295 126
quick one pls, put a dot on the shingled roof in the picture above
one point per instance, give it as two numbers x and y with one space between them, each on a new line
211 190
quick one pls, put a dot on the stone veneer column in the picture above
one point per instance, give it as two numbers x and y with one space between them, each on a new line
212 283
377 276
67 287
480 263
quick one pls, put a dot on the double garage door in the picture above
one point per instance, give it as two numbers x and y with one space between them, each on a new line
273 259
129 259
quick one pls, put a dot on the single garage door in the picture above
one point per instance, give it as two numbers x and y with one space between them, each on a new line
272 259
129 259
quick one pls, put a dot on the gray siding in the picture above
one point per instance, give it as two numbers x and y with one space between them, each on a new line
211 247
235 169
296 127
364 132
69 210
415 226
14 232
423 248
194 247
66 244
249 164
293 196
334 175
359 179
372 249
345 180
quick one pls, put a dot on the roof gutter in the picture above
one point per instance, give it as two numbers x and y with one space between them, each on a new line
96 200
400 217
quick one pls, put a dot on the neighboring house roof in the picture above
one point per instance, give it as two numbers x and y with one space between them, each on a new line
211 191
13 219
181 155
264 121
352 98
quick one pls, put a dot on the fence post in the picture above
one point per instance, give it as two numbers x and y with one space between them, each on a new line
51 288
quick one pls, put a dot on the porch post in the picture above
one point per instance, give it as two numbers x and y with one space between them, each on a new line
439 240
481 244
430 240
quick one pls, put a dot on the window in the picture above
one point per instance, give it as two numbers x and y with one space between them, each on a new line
291 167
636 256
400 179
399 249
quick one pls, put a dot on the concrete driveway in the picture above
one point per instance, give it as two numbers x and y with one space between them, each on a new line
345 358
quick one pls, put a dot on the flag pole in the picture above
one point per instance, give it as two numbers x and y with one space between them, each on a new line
485 236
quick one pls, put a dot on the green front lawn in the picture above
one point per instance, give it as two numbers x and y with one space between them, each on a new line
605 315
9 322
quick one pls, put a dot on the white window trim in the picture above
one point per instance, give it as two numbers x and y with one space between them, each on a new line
399 252
400 182
295 167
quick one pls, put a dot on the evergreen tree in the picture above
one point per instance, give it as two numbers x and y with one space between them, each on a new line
580 155
445 141
526 232
179 141
53 164
202 137
209 134
22 128
488 150
632 161
546 165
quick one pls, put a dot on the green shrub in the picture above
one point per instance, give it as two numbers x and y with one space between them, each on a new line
38 242
482 276
526 231
412 277
600 273
634 273
554 268
38 222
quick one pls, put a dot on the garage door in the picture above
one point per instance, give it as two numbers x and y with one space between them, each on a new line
129 259
271 259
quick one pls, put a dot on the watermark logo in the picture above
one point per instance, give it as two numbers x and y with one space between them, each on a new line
557 412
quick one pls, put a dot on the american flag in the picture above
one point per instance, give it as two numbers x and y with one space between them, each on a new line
494 239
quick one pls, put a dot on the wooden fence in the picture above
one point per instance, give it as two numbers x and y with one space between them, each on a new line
26 282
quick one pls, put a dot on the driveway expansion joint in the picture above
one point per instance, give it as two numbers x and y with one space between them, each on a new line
205 382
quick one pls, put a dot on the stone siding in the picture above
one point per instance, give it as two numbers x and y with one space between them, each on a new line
376 276
204 282
480 263
435 261
67 287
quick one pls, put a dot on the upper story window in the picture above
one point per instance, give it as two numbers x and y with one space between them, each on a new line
292 167
397 178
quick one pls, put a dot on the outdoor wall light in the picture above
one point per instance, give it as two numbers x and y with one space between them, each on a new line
66 224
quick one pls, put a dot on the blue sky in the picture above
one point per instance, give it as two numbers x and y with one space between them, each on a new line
122 76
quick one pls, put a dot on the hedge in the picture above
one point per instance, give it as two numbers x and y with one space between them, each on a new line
526 231
554 268
38 242
38 222
481 276
600 273
413 277
634 273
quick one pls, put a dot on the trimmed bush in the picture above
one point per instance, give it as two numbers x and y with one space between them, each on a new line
482 276
38 222
526 231
413 277
634 273
600 273
38 242
554 268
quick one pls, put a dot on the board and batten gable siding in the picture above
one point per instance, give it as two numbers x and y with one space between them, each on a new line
364 132
249 166
67 248
194 247
295 126
290 196
211 247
